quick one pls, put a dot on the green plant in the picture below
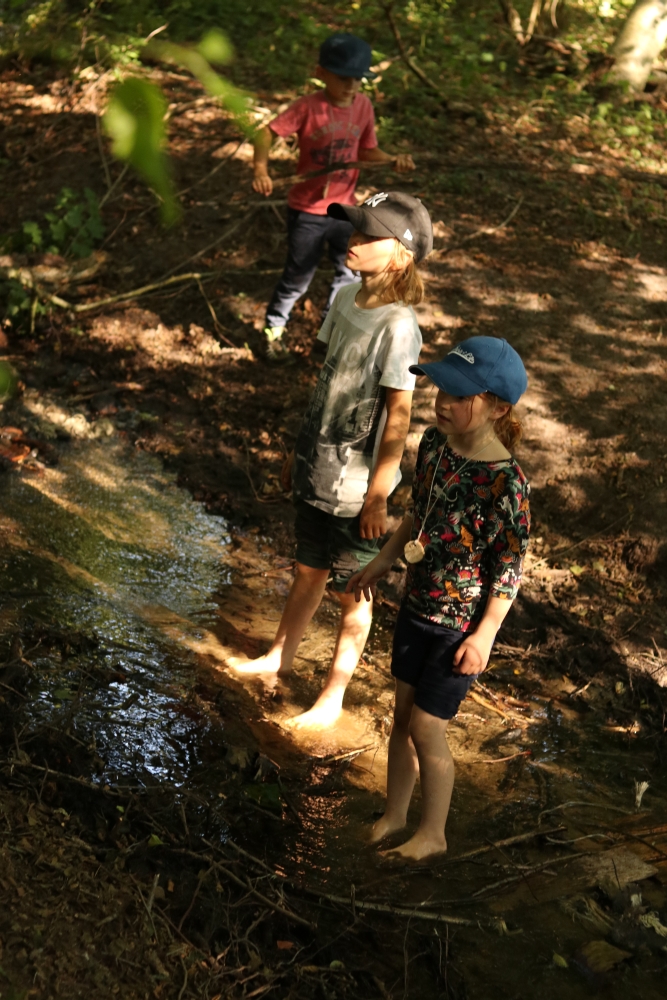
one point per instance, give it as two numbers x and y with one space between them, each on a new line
136 112
72 228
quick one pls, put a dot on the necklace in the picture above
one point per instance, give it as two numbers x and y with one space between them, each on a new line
327 183
413 550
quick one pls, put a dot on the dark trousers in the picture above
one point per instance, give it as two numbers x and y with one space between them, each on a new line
306 235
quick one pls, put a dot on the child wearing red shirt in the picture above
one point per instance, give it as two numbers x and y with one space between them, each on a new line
334 125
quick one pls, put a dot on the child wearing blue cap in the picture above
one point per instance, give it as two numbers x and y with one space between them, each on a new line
334 125
464 545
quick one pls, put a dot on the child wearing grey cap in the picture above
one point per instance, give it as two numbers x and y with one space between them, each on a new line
348 450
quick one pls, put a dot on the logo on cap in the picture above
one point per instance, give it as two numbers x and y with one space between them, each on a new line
407 235
466 355
376 199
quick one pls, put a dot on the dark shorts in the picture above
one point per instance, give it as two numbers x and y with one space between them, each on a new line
326 541
423 656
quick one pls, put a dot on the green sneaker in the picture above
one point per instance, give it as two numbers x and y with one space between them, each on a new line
276 350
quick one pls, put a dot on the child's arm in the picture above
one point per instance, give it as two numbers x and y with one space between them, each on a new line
402 163
473 654
373 521
367 578
262 182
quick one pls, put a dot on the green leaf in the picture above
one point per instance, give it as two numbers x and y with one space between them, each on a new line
154 841
7 380
560 961
63 694
134 120
195 61
215 47
577 570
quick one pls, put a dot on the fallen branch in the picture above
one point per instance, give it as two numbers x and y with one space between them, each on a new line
520 838
399 911
503 760
525 874
409 62
247 884
348 755
332 168
227 233
493 708
487 231
591 805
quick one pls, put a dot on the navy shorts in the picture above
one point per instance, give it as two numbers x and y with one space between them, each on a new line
326 541
423 657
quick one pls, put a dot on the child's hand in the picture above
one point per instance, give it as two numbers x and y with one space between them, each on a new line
472 655
286 473
262 184
365 580
404 163
373 520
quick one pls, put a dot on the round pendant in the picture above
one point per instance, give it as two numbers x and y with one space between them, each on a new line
414 552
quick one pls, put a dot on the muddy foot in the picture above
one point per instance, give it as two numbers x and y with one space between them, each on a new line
384 827
262 665
318 717
419 849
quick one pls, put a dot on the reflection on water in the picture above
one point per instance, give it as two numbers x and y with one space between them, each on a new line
94 547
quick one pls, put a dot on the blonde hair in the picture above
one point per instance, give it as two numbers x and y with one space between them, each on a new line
508 427
404 282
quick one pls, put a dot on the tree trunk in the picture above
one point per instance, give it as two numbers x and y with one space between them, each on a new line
639 44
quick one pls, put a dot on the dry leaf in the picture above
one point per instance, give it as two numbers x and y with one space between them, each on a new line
599 956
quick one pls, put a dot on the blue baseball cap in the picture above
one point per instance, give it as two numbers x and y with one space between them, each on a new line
479 364
347 55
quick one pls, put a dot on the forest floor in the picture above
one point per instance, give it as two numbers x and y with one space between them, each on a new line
576 281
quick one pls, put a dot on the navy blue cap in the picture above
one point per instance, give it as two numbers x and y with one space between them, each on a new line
347 55
479 364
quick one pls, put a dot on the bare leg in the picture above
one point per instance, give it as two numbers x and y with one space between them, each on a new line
302 602
355 622
436 776
402 767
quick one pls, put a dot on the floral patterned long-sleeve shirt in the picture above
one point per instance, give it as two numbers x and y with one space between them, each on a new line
475 537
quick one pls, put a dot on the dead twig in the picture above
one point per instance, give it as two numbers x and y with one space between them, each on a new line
247 884
524 874
348 755
216 322
399 911
243 221
503 760
590 805
405 56
487 231
520 838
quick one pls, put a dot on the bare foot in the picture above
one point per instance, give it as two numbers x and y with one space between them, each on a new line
262 665
384 827
420 848
318 717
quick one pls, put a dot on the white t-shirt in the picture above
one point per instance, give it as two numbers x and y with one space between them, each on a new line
369 351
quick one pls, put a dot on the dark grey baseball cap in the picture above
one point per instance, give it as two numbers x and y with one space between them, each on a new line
391 213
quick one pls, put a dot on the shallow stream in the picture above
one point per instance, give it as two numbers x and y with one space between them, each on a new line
153 591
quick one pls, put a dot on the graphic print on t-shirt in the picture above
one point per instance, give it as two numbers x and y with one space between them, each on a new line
327 134
369 351
338 434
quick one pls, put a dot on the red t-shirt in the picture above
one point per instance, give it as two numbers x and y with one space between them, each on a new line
327 134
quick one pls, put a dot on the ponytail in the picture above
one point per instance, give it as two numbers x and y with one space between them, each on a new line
508 427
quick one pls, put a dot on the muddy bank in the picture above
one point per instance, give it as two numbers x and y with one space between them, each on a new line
128 752
208 851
